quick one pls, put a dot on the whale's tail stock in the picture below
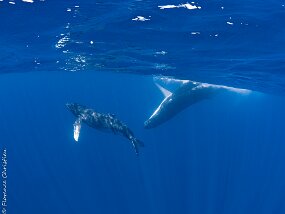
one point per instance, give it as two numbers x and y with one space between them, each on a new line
136 144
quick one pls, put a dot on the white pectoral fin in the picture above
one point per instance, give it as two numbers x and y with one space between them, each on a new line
76 129
164 91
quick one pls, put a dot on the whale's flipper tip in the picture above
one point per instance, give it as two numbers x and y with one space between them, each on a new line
163 90
76 129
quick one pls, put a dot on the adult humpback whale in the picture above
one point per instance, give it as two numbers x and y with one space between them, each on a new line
187 94
103 122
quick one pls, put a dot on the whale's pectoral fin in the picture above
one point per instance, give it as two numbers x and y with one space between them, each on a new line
171 84
76 128
164 91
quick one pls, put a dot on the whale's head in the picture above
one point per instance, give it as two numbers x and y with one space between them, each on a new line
152 122
159 115
75 108
148 124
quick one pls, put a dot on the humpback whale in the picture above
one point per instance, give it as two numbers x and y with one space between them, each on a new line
187 94
103 122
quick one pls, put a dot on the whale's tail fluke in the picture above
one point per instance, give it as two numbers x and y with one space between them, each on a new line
136 144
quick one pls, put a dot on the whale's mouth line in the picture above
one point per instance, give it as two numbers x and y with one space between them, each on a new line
148 124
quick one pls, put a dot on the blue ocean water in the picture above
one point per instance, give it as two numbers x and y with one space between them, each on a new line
221 155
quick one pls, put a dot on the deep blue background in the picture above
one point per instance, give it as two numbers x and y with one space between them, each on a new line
222 155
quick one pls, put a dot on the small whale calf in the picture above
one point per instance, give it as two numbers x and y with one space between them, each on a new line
99 121
187 94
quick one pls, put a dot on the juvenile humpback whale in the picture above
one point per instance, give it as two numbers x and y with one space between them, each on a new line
187 94
103 122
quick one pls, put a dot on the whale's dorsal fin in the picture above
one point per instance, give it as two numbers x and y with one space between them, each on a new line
76 128
165 92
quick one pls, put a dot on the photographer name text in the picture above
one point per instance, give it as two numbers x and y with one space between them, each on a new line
4 181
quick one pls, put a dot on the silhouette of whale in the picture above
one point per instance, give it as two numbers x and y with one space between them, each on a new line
187 94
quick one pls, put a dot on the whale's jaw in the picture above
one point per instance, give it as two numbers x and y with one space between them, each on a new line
148 124
68 106
71 106
75 108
